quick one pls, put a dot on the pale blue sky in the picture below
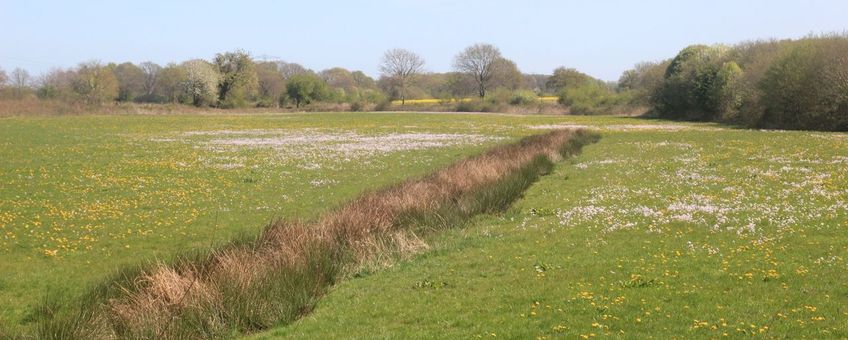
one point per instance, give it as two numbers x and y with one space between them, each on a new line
599 37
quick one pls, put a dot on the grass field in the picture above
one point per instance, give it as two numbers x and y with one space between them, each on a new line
84 195
659 232
659 229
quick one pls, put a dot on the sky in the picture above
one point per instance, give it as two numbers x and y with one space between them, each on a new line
599 37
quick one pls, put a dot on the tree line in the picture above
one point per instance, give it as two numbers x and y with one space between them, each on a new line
788 84
236 80
785 84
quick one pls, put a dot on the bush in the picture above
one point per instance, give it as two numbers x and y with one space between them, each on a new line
592 98
358 106
523 97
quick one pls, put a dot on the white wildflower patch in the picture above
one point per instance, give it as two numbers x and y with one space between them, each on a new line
681 184
625 127
311 149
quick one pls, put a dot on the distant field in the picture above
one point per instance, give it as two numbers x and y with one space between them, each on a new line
433 101
657 231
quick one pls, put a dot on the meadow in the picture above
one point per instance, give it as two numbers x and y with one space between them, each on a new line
656 231
659 228
85 195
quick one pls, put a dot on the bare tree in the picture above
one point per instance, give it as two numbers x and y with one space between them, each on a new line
291 69
131 80
272 85
95 83
3 78
478 61
56 83
20 80
151 76
402 66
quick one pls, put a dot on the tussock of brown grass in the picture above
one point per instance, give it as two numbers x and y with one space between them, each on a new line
372 231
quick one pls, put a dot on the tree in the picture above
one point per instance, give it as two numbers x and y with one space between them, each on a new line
200 82
689 83
363 81
304 88
131 80
151 76
339 78
643 81
272 85
20 81
401 66
807 88
56 83
477 61
291 69
95 83
566 77
3 78
505 74
238 81
170 83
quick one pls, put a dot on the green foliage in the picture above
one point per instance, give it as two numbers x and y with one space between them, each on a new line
95 83
238 80
130 81
690 82
775 84
523 97
305 88
566 77
808 87
591 98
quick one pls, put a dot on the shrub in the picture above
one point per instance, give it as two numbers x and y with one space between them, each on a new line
523 97
592 98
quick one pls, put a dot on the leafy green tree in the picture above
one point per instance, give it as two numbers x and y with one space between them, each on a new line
808 87
690 82
305 88
506 75
238 81
728 92
566 77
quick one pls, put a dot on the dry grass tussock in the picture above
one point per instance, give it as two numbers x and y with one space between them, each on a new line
277 277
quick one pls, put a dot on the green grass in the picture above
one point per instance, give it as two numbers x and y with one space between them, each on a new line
83 196
695 233
665 230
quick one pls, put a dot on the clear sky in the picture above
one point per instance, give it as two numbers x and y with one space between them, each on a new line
600 37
